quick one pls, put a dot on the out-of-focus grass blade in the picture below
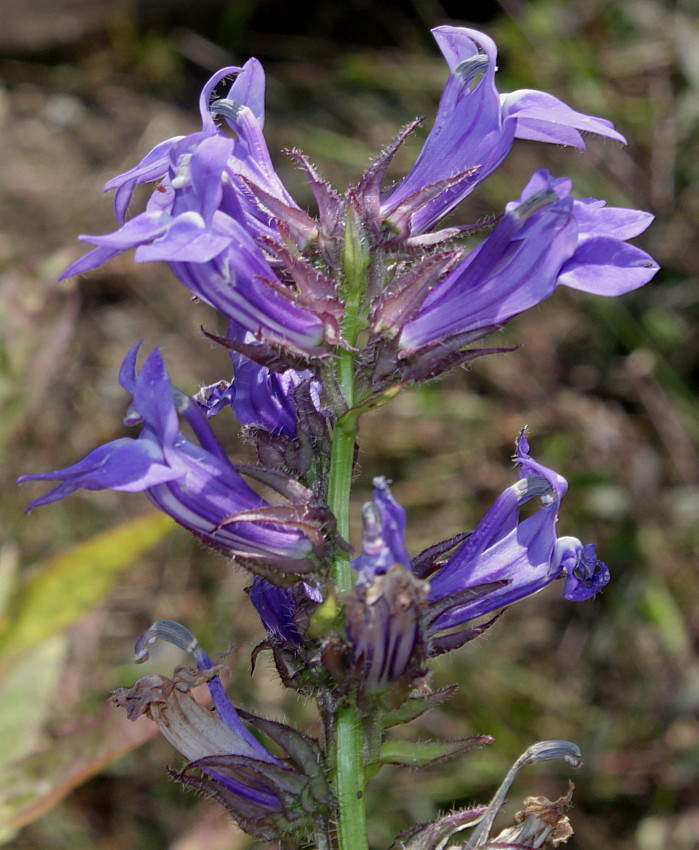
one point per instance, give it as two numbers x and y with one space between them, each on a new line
72 583
26 698
9 568
662 610
32 786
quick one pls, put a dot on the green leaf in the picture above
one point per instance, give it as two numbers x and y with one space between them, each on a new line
423 753
72 583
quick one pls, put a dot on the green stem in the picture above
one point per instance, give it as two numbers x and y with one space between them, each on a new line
347 740
347 760
349 779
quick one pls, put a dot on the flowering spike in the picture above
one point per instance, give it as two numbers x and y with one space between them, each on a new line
328 318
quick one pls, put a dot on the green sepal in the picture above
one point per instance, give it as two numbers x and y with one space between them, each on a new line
303 752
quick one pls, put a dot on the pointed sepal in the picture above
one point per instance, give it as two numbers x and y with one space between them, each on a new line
269 352
436 834
290 810
368 190
415 707
298 223
443 606
402 298
427 561
303 752
455 640
398 222
331 209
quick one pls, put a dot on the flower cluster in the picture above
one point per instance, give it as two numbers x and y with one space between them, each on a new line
328 316
230 231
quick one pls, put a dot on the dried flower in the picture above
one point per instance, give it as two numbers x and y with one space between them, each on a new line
269 797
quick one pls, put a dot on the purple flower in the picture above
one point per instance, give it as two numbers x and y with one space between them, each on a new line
545 239
474 130
503 560
383 535
383 612
280 410
262 398
195 483
526 554
383 618
277 607
220 263
204 222
186 170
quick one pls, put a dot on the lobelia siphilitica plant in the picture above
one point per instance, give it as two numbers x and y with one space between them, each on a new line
329 317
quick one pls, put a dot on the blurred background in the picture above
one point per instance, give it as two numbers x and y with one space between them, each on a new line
607 388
